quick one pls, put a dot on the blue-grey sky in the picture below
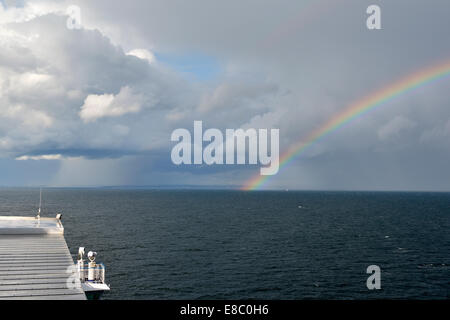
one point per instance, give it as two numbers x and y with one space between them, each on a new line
97 105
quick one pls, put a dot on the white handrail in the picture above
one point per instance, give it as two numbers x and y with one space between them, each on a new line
99 273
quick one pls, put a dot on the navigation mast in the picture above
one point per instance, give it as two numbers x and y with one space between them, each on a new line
40 204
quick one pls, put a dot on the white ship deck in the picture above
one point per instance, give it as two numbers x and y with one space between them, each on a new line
35 262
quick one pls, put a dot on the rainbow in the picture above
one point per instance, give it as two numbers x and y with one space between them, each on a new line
355 110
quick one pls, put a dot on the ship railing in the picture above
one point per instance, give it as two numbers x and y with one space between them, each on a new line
99 273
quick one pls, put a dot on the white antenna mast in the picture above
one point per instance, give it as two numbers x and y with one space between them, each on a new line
40 204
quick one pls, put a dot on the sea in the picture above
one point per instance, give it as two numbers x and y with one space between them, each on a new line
215 244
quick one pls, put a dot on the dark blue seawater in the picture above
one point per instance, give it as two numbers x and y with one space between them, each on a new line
238 245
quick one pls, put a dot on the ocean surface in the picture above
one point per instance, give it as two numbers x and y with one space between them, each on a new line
163 244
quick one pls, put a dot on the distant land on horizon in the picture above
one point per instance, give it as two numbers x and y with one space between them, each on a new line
212 187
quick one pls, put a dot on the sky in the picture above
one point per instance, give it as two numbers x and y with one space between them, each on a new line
96 105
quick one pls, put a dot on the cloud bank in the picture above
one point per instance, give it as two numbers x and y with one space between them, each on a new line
109 95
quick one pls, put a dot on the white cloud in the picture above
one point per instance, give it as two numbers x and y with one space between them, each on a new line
31 80
40 157
29 118
12 13
143 54
394 127
108 105
440 134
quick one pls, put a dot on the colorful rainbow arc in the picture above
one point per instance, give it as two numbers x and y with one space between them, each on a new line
354 111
